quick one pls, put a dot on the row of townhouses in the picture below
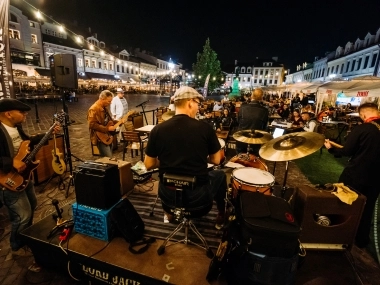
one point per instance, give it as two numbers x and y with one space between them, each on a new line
359 58
32 42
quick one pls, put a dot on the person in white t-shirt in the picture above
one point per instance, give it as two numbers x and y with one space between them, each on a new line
119 108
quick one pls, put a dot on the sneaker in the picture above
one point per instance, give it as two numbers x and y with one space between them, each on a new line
34 267
23 252
219 222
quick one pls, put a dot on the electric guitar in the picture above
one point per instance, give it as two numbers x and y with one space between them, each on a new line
58 162
16 181
107 138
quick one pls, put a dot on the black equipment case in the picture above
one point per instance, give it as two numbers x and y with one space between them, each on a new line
267 225
97 184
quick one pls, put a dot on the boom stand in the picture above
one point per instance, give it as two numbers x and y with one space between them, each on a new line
142 105
67 143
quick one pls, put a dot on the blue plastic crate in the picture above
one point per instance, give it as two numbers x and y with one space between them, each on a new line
92 222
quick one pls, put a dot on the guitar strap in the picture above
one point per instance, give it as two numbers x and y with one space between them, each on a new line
376 124
107 114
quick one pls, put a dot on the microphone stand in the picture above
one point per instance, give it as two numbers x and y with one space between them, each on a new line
142 105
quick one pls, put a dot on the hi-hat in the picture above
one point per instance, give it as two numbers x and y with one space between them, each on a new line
168 115
292 146
252 136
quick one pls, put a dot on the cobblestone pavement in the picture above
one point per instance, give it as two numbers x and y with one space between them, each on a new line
14 270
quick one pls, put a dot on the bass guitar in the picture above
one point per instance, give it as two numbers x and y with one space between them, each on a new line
16 181
107 138
58 162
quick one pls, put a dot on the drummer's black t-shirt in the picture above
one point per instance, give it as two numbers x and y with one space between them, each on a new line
182 145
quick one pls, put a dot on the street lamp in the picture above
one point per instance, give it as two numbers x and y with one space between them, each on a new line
171 66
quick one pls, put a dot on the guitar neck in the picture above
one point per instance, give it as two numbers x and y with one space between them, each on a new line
30 156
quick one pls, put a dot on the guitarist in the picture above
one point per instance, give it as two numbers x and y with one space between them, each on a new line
101 124
20 204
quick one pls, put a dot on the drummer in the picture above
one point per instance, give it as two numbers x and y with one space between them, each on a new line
252 116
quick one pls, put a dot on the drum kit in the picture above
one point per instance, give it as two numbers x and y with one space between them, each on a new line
255 176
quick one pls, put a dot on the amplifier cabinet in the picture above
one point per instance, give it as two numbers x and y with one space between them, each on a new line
325 219
97 184
45 169
125 173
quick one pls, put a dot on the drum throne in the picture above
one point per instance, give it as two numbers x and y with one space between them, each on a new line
182 212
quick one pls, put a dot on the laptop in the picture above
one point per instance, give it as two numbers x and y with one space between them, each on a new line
278 132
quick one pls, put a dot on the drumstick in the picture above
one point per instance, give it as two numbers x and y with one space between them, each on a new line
335 144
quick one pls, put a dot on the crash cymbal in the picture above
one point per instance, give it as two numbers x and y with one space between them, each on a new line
252 136
291 146
168 115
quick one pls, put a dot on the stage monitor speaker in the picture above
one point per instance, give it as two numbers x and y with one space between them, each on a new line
97 184
63 69
326 222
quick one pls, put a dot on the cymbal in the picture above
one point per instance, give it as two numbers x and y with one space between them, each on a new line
252 136
168 115
291 146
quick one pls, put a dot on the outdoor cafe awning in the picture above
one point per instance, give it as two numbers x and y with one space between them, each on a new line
93 75
43 72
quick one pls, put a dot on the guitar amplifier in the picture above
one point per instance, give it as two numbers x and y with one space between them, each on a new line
125 173
45 169
327 222
97 184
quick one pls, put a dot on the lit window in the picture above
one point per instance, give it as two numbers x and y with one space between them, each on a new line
105 65
111 66
87 63
13 34
93 64
34 39
80 62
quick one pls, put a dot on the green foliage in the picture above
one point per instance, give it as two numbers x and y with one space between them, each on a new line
207 63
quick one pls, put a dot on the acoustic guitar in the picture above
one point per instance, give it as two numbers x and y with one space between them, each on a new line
16 181
58 162
107 138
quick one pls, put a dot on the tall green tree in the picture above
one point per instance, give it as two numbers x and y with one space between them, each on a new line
208 63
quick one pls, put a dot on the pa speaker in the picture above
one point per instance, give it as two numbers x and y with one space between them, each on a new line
97 185
63 69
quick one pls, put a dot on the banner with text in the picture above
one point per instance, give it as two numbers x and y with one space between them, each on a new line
206 86
6 76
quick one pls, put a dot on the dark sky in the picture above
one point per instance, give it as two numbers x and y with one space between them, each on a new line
295 31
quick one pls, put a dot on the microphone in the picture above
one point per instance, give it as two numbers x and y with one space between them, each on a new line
59 212
142 103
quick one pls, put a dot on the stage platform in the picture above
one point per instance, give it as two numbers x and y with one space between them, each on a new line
103 262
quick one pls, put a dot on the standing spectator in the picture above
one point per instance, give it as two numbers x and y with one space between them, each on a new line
361 173
100 124
119 108
21 204
252 116
285 113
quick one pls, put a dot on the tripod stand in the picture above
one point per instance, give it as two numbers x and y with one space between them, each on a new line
67 143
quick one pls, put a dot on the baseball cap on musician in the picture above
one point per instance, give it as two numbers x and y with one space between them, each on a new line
119 90
186 92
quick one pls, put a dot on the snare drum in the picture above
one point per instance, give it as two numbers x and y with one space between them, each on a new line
222 150
251 179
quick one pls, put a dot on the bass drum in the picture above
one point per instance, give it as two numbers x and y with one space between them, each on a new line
249 160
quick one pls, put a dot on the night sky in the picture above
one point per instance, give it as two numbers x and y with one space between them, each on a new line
294 31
